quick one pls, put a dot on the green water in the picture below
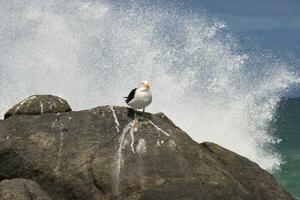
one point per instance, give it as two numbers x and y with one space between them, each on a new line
287 127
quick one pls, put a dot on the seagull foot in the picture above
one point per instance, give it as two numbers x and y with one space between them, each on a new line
135 124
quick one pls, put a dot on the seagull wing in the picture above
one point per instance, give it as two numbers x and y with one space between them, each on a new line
130 96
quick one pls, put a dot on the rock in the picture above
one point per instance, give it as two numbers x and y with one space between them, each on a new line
39 104
102 153
21 189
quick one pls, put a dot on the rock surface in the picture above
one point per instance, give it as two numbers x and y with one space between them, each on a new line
39 104
102 153
21 189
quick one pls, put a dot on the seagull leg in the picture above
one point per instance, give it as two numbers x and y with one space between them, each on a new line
144 113
134 113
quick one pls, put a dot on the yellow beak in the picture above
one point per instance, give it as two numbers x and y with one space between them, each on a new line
147 86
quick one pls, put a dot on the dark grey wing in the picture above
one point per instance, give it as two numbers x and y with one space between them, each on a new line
131 95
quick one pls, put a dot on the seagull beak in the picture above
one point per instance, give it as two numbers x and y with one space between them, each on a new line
147 85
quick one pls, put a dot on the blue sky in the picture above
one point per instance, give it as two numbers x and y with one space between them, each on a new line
276 22
245 15
271 24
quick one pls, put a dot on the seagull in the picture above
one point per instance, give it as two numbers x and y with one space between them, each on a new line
140 98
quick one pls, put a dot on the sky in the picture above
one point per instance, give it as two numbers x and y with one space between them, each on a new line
245 15
277 22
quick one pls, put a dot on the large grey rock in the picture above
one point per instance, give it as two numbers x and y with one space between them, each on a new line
21 189
39 104
103 153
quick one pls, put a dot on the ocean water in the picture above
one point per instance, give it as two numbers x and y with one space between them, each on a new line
94 52
287 127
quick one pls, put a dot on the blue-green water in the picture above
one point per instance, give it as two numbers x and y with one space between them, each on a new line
288 128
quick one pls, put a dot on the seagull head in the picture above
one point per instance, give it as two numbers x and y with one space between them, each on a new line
145 85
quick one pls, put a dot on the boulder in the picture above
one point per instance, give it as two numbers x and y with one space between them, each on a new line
21 189
39 104
103 153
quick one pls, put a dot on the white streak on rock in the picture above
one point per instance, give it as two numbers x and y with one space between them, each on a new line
29 100
61 143
132 139
172 144
115 117
42 107
50 106
119 159
141 147
58 167
126 142
21 104
60 100
159 129
158 143
55 170
7 137
56 120
24 101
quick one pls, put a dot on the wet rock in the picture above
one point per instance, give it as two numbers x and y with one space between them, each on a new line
39 104
21 189
102 153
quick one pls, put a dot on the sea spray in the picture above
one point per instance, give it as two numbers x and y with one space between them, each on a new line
93 53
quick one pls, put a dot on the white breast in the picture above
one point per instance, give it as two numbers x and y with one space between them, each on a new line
142 98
